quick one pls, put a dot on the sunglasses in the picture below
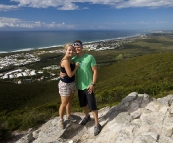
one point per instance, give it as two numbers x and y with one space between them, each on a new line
77 44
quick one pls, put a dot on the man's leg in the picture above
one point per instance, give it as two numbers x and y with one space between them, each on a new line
97 127
93 107
95 115
87 116
83 103
86 111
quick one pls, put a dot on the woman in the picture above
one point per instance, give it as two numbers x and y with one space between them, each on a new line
67 86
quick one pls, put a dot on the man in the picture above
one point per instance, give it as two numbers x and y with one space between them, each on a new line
86 81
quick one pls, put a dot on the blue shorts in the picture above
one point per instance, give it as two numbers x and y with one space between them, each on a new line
87 99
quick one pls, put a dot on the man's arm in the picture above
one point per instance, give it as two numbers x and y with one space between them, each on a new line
62 75
95 73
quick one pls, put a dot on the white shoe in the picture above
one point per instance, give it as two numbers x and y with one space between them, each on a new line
61 123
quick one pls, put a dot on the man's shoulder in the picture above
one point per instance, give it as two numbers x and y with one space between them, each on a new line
88 55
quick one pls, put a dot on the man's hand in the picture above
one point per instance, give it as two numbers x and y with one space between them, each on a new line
90 89
62 75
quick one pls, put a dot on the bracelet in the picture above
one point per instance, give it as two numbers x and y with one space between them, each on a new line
93 84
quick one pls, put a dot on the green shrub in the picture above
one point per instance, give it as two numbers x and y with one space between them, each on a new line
14 122
33 119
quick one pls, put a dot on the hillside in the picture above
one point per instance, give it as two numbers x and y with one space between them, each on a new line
30 105
150 73
143 66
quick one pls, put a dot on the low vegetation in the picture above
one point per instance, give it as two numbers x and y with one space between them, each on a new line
143 66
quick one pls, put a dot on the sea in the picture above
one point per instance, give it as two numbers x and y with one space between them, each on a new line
13 41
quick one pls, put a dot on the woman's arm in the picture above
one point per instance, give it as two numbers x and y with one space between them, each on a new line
66 65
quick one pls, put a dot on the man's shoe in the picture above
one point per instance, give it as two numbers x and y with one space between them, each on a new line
97 129
84 120
61 123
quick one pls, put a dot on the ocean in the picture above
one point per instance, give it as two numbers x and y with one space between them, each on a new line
11 41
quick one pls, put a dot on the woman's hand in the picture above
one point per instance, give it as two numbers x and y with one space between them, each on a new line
77 64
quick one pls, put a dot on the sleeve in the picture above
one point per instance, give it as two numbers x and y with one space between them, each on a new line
93 61
73 59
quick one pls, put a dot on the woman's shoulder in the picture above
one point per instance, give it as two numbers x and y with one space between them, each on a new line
64 61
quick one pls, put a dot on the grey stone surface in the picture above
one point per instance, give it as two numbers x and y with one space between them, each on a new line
137 119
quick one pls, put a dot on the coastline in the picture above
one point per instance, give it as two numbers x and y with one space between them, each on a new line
29 56
26 41
46 43
30 49
61 46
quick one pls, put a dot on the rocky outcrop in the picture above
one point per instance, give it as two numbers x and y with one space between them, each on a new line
137 119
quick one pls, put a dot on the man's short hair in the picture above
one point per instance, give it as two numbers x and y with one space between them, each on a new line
78 41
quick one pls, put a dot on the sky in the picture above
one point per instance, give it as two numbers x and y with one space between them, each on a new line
86 15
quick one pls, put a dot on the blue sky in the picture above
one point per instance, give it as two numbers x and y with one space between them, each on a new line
86 14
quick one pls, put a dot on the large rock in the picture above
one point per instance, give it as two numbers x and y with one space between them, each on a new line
137 119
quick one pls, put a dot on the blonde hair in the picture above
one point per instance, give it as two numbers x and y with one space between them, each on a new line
67 45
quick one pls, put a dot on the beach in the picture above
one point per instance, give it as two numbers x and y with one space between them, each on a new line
16 41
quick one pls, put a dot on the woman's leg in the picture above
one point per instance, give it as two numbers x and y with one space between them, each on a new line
69 105
64 102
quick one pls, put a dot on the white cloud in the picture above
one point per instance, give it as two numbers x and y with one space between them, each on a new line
8 20
54 25
144 3
18 23
8 7
15 23
73 4
160 22
68 6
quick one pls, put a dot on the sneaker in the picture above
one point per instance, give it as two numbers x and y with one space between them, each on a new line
70 118
61 123
84 120
97 129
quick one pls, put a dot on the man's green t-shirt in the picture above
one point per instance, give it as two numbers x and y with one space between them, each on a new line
84 72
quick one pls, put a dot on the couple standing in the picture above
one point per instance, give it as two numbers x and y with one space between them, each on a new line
84 65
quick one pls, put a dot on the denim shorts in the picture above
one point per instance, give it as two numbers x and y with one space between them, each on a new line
65 89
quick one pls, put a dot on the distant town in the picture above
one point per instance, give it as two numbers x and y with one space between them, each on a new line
23 75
